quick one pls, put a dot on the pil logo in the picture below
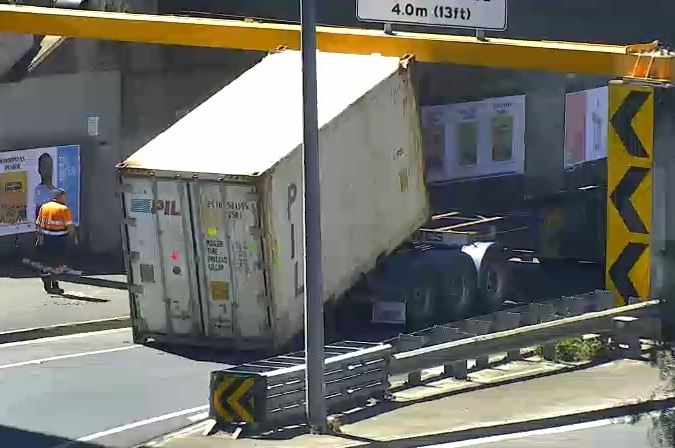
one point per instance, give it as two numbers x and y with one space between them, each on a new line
148 206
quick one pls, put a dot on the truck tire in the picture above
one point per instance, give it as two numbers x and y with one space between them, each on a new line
421 295
443 290
495 280
459 287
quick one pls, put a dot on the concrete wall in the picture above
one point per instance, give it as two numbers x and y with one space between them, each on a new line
137 91
48 111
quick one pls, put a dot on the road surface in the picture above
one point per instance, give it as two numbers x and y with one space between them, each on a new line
99 388
26 305
598 434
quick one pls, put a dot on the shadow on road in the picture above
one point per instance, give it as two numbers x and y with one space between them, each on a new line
83 298
12 265
206 354
18 438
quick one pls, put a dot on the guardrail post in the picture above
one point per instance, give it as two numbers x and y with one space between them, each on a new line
541 313
443 334
409 342
604 300
507 320
479 327
574 306
626 333
533 315
580 305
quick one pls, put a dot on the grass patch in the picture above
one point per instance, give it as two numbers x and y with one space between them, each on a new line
578 349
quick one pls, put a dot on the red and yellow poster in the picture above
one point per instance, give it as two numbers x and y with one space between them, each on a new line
575 128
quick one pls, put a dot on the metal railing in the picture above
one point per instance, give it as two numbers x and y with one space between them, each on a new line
270 394
354 372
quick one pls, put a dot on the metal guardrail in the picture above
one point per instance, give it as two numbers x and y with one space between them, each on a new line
354 371
504 341
358 371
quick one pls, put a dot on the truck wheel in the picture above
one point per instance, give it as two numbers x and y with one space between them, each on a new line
458 290
421 297
494 280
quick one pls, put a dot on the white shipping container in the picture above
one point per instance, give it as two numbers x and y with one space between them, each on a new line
213 205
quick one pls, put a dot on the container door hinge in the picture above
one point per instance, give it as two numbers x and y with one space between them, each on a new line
130 222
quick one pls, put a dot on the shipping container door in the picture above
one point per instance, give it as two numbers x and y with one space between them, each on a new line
161 256
235 304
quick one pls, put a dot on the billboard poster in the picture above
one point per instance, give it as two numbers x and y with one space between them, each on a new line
502 137
505 139
467 135
434 135
575 128
27 179
586 126
597 114
481 138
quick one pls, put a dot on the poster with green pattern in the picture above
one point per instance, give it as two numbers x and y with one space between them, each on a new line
467 142
502 138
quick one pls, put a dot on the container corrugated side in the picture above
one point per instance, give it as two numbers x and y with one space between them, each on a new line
372 190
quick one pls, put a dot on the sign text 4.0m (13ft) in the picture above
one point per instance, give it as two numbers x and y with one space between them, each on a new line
477 14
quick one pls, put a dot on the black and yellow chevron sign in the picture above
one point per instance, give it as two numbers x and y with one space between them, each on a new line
630 145
237 398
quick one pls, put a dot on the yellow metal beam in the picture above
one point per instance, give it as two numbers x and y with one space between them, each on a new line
566 57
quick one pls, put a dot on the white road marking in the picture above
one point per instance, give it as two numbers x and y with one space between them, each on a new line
63 338
138 424
536 432
72 355
197 417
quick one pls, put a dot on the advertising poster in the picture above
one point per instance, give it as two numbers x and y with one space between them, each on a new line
482 138
586 126
502 137
575 128
27 179
505 139
434 135
597 111
467 135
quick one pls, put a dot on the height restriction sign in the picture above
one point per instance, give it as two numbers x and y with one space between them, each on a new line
473 14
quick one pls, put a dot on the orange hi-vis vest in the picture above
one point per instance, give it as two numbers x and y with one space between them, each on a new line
54 218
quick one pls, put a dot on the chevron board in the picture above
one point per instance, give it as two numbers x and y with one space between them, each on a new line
630 146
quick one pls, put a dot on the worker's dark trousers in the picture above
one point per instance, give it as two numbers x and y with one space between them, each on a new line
53 256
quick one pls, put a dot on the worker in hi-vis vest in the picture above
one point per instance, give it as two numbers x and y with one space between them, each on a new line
54 227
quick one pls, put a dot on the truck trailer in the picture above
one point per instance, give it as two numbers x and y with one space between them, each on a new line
213 211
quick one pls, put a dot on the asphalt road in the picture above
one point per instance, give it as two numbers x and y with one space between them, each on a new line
28 306
99 388
600 434
103 390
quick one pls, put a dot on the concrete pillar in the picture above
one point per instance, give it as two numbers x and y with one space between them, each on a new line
544 134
